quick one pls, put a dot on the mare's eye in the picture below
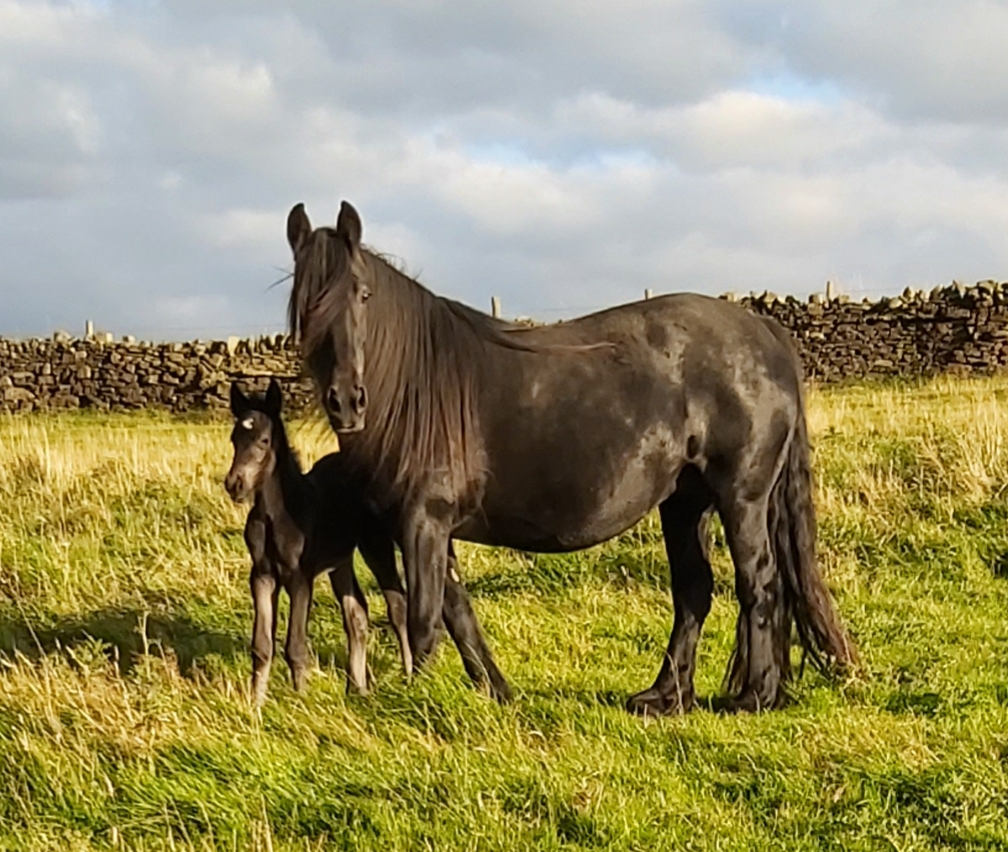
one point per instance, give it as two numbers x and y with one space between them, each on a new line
365 294
264 440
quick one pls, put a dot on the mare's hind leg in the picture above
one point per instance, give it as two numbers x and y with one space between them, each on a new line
756 673
378 551
463 627
684 518
355 622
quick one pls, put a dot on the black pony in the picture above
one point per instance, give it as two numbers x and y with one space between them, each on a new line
302 525
556 438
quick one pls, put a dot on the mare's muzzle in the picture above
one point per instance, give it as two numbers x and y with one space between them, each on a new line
346 406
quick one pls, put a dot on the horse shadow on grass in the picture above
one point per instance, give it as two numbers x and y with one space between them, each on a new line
613 699
125 635
555 574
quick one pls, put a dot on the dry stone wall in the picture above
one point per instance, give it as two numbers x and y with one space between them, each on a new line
97 373
954 329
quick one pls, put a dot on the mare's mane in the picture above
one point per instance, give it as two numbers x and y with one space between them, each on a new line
422 362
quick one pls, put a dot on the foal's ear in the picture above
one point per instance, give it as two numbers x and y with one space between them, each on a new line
348 225
274 399
239 402
298 227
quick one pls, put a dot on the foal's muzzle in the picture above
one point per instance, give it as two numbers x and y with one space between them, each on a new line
234 484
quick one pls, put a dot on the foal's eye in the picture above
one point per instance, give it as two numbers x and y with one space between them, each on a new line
365 294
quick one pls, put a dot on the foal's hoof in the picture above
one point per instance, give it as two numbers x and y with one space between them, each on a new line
651 702
355 688
257 693
299 677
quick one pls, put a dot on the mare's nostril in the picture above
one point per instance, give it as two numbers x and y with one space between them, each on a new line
332 401
360 400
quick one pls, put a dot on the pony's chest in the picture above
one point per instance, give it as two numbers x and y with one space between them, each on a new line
285 544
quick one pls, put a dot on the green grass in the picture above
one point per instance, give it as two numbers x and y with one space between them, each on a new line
125 615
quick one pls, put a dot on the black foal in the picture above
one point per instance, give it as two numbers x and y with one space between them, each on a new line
302 525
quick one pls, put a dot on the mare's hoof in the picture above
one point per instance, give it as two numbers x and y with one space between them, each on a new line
651 702
749 702
500 691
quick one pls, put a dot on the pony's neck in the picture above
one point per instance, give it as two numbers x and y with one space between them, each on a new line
422 375
283 489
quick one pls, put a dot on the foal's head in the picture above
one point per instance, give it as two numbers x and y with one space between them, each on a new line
332 283
257 434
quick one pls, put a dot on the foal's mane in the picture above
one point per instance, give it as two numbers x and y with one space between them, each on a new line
423 353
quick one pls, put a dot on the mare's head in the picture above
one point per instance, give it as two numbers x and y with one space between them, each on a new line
332 283
257 434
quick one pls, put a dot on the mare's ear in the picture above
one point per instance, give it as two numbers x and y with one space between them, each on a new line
298 227
239 402
274 399
348 226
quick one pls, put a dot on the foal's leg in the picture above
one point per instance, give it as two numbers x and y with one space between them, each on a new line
355 622
299 589
465 632
265 588
425 556
378 551
757 672
684 525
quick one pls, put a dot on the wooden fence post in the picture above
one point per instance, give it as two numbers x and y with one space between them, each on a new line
495 308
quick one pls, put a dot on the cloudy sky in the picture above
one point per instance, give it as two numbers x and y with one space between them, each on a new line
562 155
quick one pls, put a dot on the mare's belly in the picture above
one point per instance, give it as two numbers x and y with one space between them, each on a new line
555 527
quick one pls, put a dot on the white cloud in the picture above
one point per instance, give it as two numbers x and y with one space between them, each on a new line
562 161
241 227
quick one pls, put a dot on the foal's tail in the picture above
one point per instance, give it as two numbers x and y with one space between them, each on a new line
793 537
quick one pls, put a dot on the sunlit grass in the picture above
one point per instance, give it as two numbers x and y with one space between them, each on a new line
124 622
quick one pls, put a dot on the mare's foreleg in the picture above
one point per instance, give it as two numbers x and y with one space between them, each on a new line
465 632
425 556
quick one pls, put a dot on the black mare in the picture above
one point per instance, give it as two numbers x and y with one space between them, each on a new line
556 438
302 525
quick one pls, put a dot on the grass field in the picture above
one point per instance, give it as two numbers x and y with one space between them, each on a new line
124 623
